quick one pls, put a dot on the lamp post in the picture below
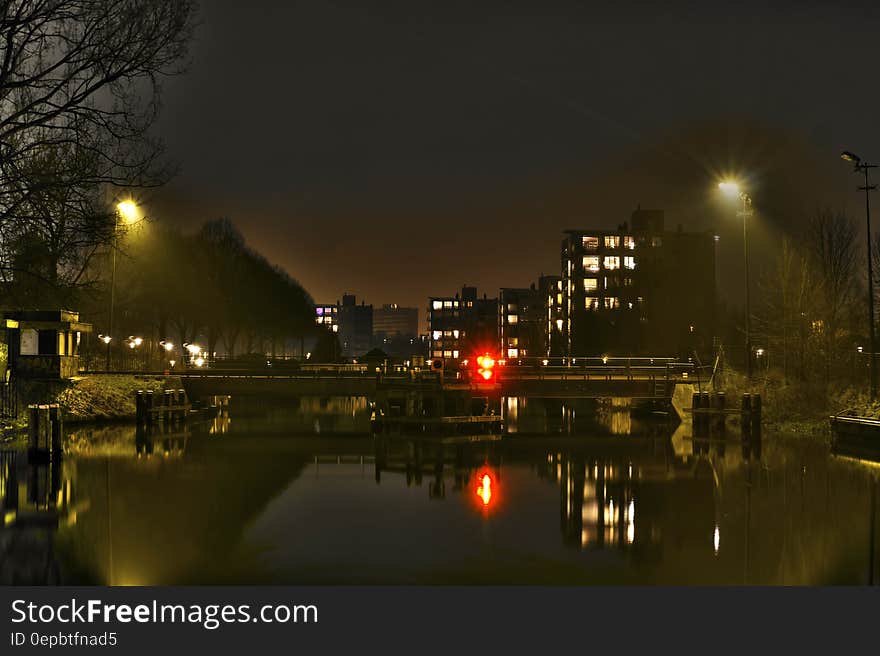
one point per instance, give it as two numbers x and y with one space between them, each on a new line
733 189
128 211
863 168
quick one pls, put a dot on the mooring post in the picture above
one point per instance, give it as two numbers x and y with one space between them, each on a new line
148 410
54 421
756 411
33 427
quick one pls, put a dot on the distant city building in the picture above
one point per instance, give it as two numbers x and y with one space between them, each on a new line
391 320
638 290
355 326
327 316
460 326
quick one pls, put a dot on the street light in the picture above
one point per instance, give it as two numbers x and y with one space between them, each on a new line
733 189
863 167
128 211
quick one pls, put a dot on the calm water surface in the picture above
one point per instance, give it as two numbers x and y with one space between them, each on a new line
301 493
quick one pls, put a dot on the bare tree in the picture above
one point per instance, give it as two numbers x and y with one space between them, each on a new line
80 86
833 251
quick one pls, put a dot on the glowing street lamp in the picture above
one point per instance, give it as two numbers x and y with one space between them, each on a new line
863 168
730 188
128 212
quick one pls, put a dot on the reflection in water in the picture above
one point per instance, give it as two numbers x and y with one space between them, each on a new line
256 496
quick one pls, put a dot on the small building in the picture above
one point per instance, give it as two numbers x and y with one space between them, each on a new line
43 344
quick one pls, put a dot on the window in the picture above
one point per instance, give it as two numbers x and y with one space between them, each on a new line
447 304
612 302
591 302
455 354
512 319
612 241
436 354
591 263
627 281
514 341
455 334
591 243
447 354
437 305
629 262
512 353
612 262
437 334
629 243
559 325
590 284
656 241
511 307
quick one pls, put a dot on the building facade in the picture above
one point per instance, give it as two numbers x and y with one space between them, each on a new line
638 290
521 322
462 325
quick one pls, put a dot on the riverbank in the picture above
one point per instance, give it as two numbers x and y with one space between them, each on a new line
798 408
85 399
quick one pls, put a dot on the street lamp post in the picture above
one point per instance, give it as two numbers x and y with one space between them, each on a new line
864 168
128 211
732 188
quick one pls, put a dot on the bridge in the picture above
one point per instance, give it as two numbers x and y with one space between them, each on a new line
559 378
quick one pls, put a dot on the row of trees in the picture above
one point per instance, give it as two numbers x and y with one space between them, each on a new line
811 314
210 286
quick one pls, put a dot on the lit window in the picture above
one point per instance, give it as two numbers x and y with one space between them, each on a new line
512 319
612 241
470 304
455 304
559 299
591 263
559 325
437 334
447 354
612 302
629 262
512 353
627 282
447 304
455 334
335 329
591 243
447 333
629 243
612 262
550 300
436 354
590 284
455 354
559 285
437 305
514 341
591 302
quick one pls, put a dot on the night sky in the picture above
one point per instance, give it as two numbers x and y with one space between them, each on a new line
403 150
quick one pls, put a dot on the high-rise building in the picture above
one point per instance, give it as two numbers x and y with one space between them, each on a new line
638 290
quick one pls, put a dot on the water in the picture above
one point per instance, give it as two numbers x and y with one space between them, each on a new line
299 493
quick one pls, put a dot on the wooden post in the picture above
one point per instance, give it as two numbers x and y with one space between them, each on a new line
54 417
33 427
148 411
139 407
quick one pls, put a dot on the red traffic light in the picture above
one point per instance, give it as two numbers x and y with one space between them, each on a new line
486 366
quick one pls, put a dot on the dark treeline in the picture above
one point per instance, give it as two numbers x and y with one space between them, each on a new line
209 287
811 314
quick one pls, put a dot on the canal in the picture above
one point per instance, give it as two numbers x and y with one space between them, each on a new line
301 493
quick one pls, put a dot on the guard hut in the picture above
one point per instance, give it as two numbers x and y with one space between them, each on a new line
44 344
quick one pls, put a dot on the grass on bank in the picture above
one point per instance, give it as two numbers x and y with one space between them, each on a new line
798 406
